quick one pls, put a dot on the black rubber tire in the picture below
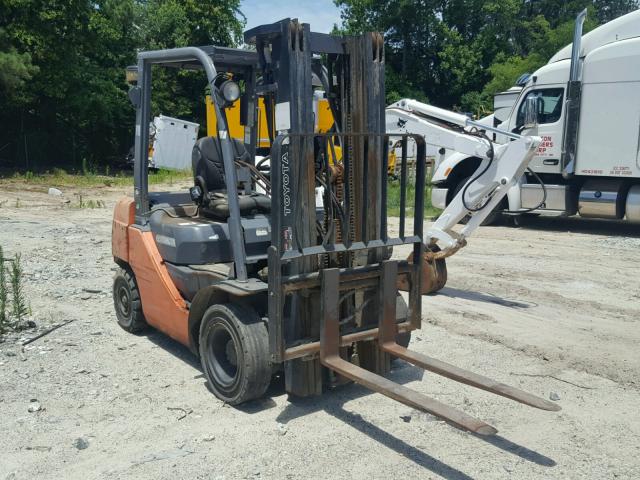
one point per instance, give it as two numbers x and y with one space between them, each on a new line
126 301
491 218
402 338
523 219
234 352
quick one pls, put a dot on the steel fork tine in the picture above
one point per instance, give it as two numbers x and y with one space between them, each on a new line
330 357
387 335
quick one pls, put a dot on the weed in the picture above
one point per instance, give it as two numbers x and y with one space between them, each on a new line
94 204
19 301
82 203
60 178
85 167
18 203
393 200
4 321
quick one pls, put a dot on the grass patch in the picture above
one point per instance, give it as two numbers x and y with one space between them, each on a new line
393 200
60 178
4 294
84 203
19 301
12 281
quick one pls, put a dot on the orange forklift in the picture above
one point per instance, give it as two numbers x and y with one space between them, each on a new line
258 284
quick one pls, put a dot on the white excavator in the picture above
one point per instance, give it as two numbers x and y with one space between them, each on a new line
500 167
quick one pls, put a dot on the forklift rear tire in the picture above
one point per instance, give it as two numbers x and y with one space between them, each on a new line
234 351
126 300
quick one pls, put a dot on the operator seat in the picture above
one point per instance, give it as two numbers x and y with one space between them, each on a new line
207 163
209 176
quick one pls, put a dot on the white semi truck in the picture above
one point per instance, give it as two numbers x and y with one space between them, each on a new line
587 101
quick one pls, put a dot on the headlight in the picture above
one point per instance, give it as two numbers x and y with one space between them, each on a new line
230 91
131 74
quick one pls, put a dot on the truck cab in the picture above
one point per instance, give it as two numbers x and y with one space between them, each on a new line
587 99
547 86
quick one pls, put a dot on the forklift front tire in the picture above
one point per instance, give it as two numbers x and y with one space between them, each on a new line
234 351
402 312
126 300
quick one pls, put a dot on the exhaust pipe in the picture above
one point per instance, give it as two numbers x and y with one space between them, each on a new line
572 108
577 46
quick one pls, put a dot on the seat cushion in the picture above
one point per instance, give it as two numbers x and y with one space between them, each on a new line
218 204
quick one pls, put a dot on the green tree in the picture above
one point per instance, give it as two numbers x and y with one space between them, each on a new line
15 68
74 105
458 53
172 24
62 89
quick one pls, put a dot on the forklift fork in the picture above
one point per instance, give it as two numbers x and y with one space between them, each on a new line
330 357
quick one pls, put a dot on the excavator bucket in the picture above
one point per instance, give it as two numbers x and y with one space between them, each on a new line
433 270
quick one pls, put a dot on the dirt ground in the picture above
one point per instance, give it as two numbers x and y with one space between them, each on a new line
552 307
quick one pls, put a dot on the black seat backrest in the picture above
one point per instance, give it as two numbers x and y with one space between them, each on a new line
207 163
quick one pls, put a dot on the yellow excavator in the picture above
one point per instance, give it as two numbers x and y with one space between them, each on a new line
324 123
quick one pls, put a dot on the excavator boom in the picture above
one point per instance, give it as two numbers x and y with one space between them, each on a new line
501 166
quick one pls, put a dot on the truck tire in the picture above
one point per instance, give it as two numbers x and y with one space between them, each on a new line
491 219
126 301
234 352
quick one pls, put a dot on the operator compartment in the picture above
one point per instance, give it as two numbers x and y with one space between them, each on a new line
191 230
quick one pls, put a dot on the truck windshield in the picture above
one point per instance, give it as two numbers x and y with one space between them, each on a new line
549 105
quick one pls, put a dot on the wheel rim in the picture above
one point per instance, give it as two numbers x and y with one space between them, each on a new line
222 357
123 301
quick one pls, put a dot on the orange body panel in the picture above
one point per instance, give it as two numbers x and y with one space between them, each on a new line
162 305
123 216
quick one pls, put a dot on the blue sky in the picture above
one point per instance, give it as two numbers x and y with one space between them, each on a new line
320 14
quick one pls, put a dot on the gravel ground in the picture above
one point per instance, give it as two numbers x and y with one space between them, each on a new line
552 307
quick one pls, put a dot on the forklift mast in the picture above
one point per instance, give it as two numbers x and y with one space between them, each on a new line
354 240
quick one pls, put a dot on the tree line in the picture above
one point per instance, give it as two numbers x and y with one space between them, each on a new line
63 96
458 53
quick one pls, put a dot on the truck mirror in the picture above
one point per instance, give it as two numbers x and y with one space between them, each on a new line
531 112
